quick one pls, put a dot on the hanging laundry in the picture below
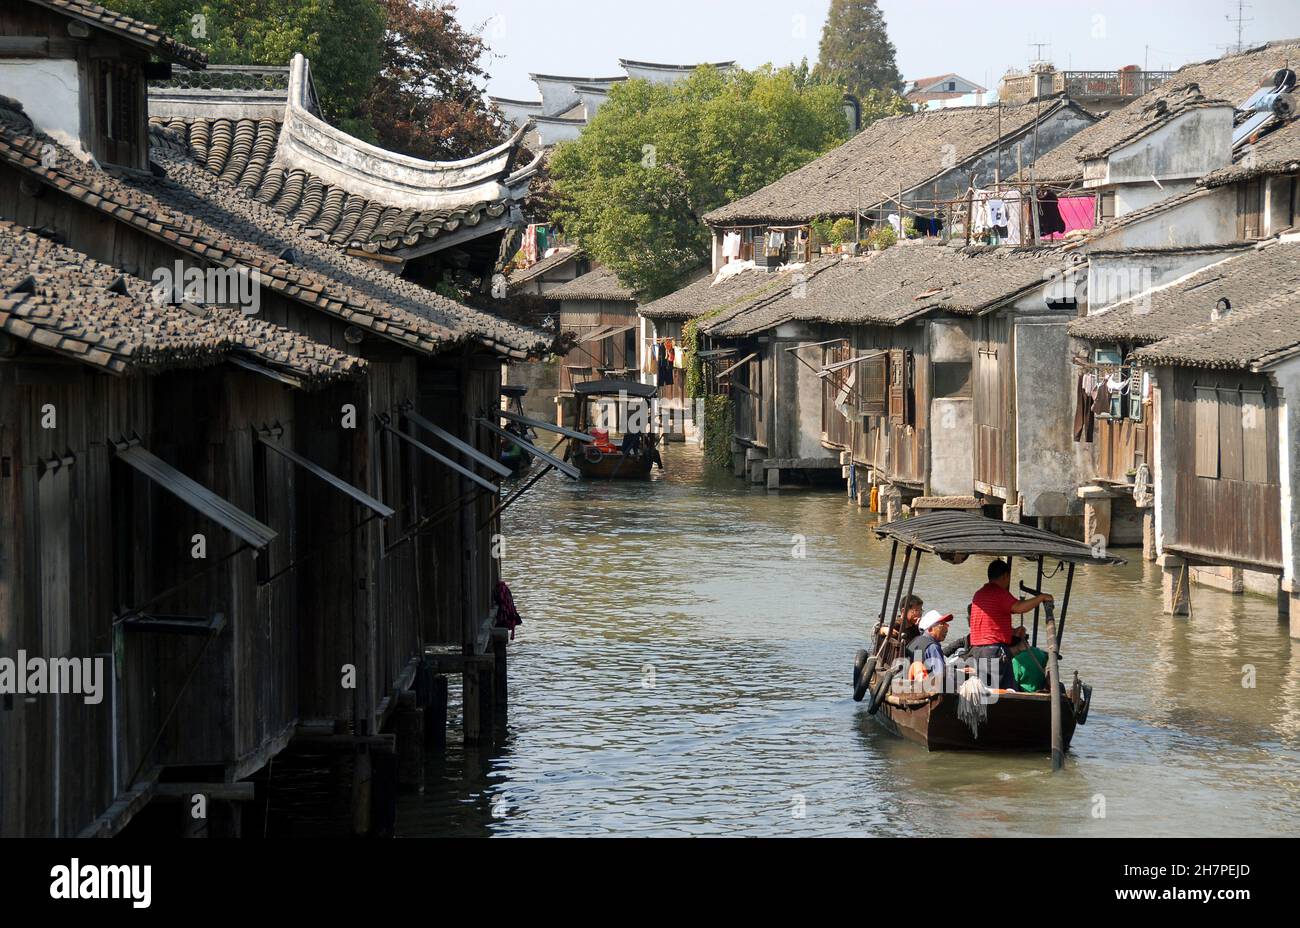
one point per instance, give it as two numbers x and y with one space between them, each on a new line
1084 418
1101 400
1013 206
731 246
1049 215
669 350
896 223
507 615
664 377
529 247
1078 212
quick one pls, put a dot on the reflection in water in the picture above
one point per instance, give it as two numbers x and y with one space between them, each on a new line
681 672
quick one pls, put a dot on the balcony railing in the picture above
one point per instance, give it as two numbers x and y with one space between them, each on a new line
1082 85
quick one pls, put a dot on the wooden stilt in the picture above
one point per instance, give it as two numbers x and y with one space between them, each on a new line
436 726
361 786
408 726
472 704
500 680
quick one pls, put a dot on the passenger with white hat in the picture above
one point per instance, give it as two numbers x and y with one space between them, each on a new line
927 647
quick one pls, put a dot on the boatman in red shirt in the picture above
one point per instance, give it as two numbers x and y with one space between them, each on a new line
990 620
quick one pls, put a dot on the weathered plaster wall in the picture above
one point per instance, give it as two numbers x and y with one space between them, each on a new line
952 419
1134 196
1203 220
1189 146
1113 278
49 91
1046 470
798 397
1287 378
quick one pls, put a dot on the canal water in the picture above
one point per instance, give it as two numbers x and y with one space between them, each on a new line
685 668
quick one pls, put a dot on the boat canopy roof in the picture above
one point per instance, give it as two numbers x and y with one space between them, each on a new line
948 533
614 388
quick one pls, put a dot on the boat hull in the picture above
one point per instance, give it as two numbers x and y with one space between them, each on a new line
1016 722
614 466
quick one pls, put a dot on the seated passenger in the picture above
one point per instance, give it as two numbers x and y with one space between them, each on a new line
927 647
1028 664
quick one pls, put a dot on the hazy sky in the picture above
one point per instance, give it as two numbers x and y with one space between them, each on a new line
978 40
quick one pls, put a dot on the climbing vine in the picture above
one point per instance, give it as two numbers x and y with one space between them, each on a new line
719 425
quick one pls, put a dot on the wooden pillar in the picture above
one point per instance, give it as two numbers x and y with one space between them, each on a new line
487 699
361 787
435 722
383 792
471 705
408 726
500 681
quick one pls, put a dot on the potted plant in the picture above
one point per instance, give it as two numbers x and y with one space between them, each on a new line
842 232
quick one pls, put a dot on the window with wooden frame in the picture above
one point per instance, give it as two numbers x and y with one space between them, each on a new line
900 386
1250 209
1106 206
118 118
873 389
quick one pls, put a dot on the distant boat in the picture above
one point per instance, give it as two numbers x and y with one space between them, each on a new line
511 455
637 451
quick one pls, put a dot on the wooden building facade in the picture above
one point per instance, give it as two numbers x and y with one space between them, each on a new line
235 503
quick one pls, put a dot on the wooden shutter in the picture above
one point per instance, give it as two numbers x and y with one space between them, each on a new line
1254 437
1207 432
898 386
1135 394
873 392
1249 200
1229 434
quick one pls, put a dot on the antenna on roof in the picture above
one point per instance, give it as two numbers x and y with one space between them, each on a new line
1240 22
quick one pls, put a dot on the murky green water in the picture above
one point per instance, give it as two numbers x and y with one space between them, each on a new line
680 672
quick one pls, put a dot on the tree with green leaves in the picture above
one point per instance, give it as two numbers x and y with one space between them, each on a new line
856 53
633 188
342 38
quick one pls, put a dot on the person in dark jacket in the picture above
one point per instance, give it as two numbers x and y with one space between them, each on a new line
927 647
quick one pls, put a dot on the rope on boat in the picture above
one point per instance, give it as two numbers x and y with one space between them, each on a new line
973 704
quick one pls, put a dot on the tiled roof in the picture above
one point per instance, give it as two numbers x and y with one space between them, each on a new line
1260 285
561 256
124 27
702 296
891 153
1232 78
896 285
242 152
195 211
600 284
64 301
1277 152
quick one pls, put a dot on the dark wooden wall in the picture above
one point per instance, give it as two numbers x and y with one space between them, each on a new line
1226 517
994 396
899 453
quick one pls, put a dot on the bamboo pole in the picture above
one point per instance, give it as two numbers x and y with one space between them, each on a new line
1054 681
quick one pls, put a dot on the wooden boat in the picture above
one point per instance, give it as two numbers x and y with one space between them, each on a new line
1012 721
633 456
513 455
